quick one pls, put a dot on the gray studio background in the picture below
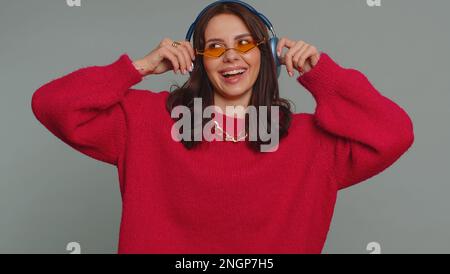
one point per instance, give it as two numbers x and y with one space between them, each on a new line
51 195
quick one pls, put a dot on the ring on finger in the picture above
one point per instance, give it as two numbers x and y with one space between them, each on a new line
175 44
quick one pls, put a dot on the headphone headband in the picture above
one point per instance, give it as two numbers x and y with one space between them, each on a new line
250 8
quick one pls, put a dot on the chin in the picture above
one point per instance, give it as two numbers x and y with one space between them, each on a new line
233 93
234 90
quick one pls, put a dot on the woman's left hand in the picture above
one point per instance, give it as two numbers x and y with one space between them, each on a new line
301 56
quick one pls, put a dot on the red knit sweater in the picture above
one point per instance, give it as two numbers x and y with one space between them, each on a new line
224 197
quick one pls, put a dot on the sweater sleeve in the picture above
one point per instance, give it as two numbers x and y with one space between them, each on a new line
369 131
84 108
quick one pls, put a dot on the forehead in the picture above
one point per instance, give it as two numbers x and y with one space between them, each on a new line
225 26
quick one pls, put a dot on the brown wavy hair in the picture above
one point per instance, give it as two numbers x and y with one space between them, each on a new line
265 90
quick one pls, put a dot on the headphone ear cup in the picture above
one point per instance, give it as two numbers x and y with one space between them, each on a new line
273 43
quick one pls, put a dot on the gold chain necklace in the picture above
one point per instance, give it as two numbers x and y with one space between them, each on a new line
228 136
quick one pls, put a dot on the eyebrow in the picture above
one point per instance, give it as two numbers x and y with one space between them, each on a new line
235 38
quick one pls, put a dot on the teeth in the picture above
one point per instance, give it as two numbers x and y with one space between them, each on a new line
233 72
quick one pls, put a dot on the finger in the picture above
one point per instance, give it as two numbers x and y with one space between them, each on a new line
187 58
184 61
188 45
282 43
306 60
165 42
180 57
290 62
311 59
315 58
167 54
308 66
299 58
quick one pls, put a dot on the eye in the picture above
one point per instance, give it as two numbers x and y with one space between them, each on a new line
244 42
213 46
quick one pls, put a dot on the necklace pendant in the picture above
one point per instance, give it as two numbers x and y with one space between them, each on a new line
228 137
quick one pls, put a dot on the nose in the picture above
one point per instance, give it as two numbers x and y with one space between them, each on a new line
231 54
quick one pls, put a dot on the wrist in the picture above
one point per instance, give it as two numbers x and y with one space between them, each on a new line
142 67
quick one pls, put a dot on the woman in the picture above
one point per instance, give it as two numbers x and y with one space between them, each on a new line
226 197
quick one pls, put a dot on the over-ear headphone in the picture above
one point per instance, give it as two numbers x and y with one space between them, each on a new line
273 41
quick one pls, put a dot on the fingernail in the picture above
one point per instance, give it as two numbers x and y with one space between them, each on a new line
279 54
291 74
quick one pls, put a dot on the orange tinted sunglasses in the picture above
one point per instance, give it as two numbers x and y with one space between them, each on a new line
216 52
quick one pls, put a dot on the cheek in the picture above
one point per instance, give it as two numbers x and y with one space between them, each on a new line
255 62
207 66
254 58
210 65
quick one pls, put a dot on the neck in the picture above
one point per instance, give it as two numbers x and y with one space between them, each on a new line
237 105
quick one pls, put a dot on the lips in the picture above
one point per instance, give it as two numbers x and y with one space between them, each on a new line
234 79
232 68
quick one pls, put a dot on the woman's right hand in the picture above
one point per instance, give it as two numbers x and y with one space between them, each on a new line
167 57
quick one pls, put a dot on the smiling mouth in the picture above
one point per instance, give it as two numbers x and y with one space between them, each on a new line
235 77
